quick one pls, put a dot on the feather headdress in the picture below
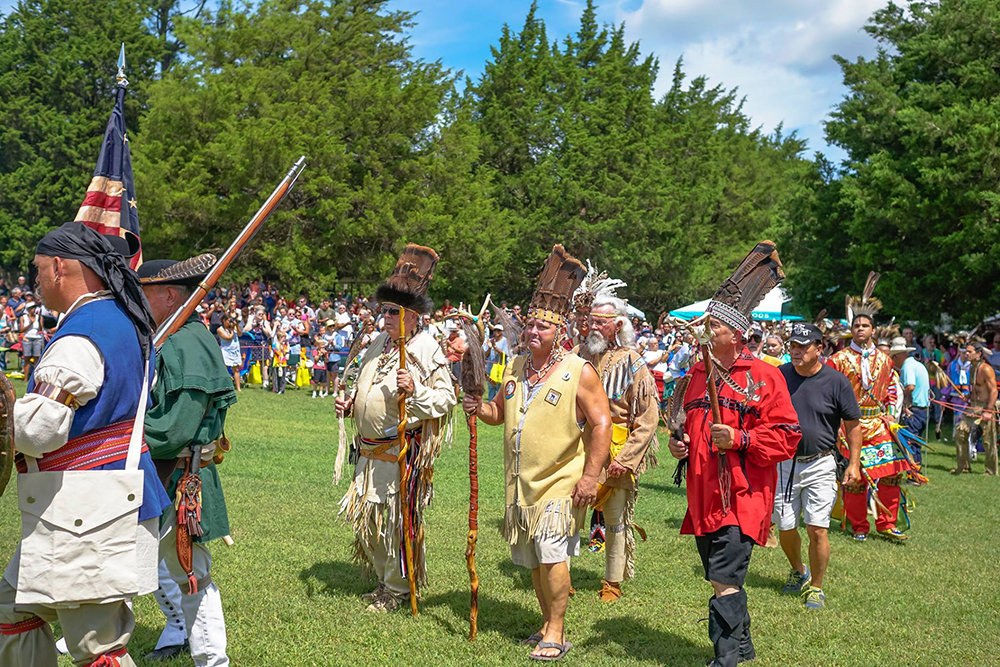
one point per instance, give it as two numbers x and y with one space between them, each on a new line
407 286
884 334
865 305
188 272
595 284
553 298
757 274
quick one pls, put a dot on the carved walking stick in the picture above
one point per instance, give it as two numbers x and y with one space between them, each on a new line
473 378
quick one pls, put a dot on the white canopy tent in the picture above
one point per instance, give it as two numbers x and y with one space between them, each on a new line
769 308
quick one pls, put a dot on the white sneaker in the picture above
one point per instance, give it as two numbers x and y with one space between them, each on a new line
314 394
324 394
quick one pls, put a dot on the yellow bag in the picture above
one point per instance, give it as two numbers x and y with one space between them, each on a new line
255 377
496 373
302 378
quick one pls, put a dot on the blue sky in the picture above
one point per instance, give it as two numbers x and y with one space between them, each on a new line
777 52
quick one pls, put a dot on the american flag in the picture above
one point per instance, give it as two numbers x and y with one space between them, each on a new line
110 206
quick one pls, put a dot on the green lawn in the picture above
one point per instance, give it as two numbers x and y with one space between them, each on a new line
291 592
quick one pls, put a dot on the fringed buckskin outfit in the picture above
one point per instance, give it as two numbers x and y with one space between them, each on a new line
635 414
371 504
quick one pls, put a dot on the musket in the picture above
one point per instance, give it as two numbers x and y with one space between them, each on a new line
180 317
473 378
404 479
187 502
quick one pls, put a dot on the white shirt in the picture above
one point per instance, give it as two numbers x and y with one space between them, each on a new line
72 363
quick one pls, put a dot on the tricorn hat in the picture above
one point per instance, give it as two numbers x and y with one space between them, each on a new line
188 272
407 286
553 298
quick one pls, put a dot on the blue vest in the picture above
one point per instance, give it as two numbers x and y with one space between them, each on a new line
105 324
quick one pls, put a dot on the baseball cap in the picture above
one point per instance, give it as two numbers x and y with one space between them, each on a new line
804 333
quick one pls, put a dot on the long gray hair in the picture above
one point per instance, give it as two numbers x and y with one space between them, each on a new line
626 337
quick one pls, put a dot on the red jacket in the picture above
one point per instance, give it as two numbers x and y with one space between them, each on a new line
767 432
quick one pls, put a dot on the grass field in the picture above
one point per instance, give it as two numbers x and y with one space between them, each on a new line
291 592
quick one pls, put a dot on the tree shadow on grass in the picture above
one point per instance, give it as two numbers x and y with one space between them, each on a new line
510 619
664 488
334 577
640 642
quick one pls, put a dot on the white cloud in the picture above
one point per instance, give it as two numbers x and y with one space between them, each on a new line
777 52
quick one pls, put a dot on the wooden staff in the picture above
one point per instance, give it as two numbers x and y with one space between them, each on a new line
404 479
725 480
472 383
470 546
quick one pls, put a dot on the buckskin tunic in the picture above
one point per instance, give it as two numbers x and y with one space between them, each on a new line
371 504
632 398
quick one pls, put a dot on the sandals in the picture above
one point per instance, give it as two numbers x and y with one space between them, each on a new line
563 650
532 640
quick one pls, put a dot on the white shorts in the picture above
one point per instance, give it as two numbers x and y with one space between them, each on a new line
546 550
814 492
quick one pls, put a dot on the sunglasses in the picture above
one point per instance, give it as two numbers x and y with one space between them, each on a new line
386 310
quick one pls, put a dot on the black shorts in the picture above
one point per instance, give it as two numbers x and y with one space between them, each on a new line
333 365
725 554
319 375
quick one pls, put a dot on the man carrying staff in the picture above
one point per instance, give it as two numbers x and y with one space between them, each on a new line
732 458
883 461
190 399
79 414
372 503
548 399
981 412
628 383
823 399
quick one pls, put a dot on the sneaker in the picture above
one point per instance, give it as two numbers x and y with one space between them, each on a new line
894 535
814 598
314 394
860 537
796 582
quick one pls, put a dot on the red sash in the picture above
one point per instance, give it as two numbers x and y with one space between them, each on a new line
91 450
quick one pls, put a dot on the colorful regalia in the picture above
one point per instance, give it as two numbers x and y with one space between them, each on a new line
883 459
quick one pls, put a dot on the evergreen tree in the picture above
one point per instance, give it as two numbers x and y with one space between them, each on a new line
389 158
57 87
919 197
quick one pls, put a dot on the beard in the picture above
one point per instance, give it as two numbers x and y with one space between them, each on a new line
595 343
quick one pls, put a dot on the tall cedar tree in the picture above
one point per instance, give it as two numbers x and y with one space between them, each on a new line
57 88
920 196
667 194
390 156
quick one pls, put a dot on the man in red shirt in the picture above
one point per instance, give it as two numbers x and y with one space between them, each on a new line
732 465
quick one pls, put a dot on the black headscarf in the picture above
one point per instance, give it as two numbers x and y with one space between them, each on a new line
97 252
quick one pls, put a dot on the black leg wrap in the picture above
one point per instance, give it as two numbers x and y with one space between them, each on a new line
726 617
747 651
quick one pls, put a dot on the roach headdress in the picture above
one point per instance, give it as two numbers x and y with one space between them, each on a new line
595 284
553 298
756 275
865 305
407 286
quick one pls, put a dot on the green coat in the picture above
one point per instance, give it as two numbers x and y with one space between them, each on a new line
192 392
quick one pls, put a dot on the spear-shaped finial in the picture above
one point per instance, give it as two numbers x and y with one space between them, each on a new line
120 77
